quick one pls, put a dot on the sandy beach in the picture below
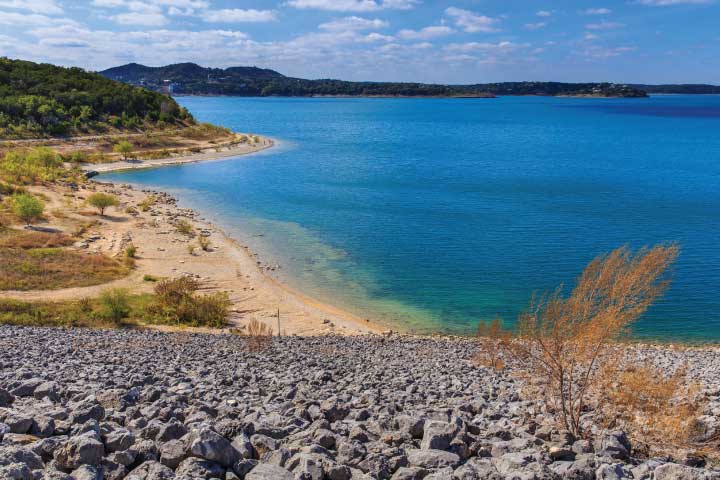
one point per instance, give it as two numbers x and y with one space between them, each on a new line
204 155
164 252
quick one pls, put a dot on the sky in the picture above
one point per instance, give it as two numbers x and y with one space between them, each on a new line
434 41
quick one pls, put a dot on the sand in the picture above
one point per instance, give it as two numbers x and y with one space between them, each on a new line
162 251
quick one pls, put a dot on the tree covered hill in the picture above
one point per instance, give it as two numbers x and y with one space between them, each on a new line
192 79
39 100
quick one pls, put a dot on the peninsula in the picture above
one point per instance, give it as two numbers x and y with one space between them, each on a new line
192 79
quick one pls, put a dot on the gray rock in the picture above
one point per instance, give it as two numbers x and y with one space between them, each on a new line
27 387
86 472
265 471
172 453
430 459
15 471
151 470
615 471
437 435
47 390
6 398
197 468
118 440
77 451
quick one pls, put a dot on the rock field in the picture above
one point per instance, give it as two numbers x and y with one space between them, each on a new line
141 405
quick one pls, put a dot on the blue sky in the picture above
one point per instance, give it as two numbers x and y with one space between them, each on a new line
459 41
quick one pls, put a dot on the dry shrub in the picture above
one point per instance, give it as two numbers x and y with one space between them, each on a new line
185 227
562 345
659 412
177 303
204 243
492 337
259 335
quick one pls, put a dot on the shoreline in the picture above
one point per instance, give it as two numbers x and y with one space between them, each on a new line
307 315
205 155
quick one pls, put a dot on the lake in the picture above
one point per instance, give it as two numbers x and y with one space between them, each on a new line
436 213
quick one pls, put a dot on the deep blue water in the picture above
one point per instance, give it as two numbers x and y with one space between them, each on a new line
435 213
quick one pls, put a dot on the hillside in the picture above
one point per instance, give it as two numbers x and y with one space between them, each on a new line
192 79
41 100
691 88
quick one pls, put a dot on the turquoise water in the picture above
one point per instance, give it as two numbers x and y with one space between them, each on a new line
435 213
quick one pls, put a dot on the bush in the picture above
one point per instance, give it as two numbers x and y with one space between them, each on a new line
660 412
101 201
147 203
184 227
131 251
204 242
124 148
150 278
177 303
31 166
115 304
27 207
563 346
259 335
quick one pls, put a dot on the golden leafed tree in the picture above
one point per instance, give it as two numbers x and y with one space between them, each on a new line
564 344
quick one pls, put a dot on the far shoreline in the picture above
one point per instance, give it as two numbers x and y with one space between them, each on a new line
206 155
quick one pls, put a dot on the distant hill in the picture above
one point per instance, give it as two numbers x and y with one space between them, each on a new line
39 100
691 88
192 79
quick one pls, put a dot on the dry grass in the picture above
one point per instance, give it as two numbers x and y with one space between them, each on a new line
86 312
184 227
492 336
658 411
27 240
563 345
204 243
53 268
259 335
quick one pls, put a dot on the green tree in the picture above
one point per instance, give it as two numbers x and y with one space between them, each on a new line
124 148
101 201
27 208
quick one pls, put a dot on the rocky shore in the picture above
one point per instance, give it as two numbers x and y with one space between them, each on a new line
141 405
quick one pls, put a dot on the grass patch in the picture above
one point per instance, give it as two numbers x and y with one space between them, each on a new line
54 268
80 313
27 240
177 303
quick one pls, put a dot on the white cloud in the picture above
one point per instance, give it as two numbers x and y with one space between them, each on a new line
470 21
590 36
667 3
535 26
425 33
597 11
47 7
543 13
236 15
603 52
30 19
353 5
604 25
140 18
354 23
483 47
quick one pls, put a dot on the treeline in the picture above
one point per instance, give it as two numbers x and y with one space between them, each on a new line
38 100
192 79
690 88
